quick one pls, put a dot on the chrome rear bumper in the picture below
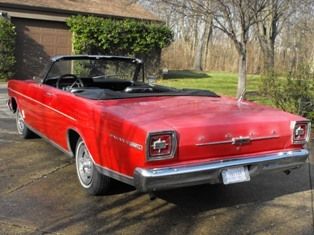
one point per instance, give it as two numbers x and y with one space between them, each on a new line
146 180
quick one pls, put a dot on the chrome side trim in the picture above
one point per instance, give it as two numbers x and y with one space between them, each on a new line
103 170
231 140
115 175
46 106
147 180
109 172
49 141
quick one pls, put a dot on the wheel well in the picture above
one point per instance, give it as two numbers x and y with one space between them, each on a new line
73 137
13 105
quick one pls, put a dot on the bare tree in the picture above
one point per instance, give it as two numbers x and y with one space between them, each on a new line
193 23
269 25
201 43
235 18
255 31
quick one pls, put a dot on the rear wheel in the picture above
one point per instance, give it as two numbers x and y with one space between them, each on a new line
22 129
89 177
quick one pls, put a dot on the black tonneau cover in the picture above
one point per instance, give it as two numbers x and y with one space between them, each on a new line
107 94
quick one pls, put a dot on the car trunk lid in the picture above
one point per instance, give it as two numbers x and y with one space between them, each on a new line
209 127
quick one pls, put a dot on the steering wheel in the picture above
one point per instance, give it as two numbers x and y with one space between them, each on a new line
77 82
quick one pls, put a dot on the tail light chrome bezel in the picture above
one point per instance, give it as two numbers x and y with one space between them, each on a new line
295 125
159 157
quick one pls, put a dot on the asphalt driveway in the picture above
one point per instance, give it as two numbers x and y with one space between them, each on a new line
40 194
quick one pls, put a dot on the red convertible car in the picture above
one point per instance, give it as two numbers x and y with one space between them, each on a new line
99 110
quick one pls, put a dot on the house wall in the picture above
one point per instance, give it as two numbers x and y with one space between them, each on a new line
36 42
42 34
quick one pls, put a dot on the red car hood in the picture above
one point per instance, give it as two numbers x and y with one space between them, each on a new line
205 126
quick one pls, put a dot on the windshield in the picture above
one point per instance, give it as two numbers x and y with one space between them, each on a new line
107 77
96 68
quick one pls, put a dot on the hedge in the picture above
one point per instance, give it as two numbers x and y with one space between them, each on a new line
7 47
110 36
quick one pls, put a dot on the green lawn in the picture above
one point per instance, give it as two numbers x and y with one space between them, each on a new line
220 82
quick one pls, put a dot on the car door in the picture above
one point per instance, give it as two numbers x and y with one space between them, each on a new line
32 105
53 118
62 109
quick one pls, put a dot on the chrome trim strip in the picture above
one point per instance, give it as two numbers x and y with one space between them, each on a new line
215 142
266 137
109 172
48 140
46 106
104 170
146 180
231 141
114 174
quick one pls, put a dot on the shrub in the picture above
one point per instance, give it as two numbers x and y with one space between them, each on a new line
108 36
293 93
7 46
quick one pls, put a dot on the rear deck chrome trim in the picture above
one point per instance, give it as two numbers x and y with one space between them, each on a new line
147 180
231 140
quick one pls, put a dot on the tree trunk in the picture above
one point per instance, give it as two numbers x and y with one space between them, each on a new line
200 49
198 57
269 57
242 72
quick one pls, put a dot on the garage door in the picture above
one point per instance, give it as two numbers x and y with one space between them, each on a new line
37 41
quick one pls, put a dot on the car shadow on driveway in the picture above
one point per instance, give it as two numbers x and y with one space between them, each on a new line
268 203
264 187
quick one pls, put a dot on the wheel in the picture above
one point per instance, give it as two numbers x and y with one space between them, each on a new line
89 177
22 129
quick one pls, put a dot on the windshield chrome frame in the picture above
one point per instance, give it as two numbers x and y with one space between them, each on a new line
139 63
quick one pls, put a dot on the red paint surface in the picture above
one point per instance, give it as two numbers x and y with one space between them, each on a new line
53 112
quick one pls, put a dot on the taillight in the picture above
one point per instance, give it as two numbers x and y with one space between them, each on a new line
301 132
161 145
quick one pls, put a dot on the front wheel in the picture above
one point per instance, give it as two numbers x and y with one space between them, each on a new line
22 129
89 177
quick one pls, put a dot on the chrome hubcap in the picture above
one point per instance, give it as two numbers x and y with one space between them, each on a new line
20 123
84 165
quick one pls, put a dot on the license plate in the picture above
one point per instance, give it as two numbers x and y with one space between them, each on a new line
235 175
